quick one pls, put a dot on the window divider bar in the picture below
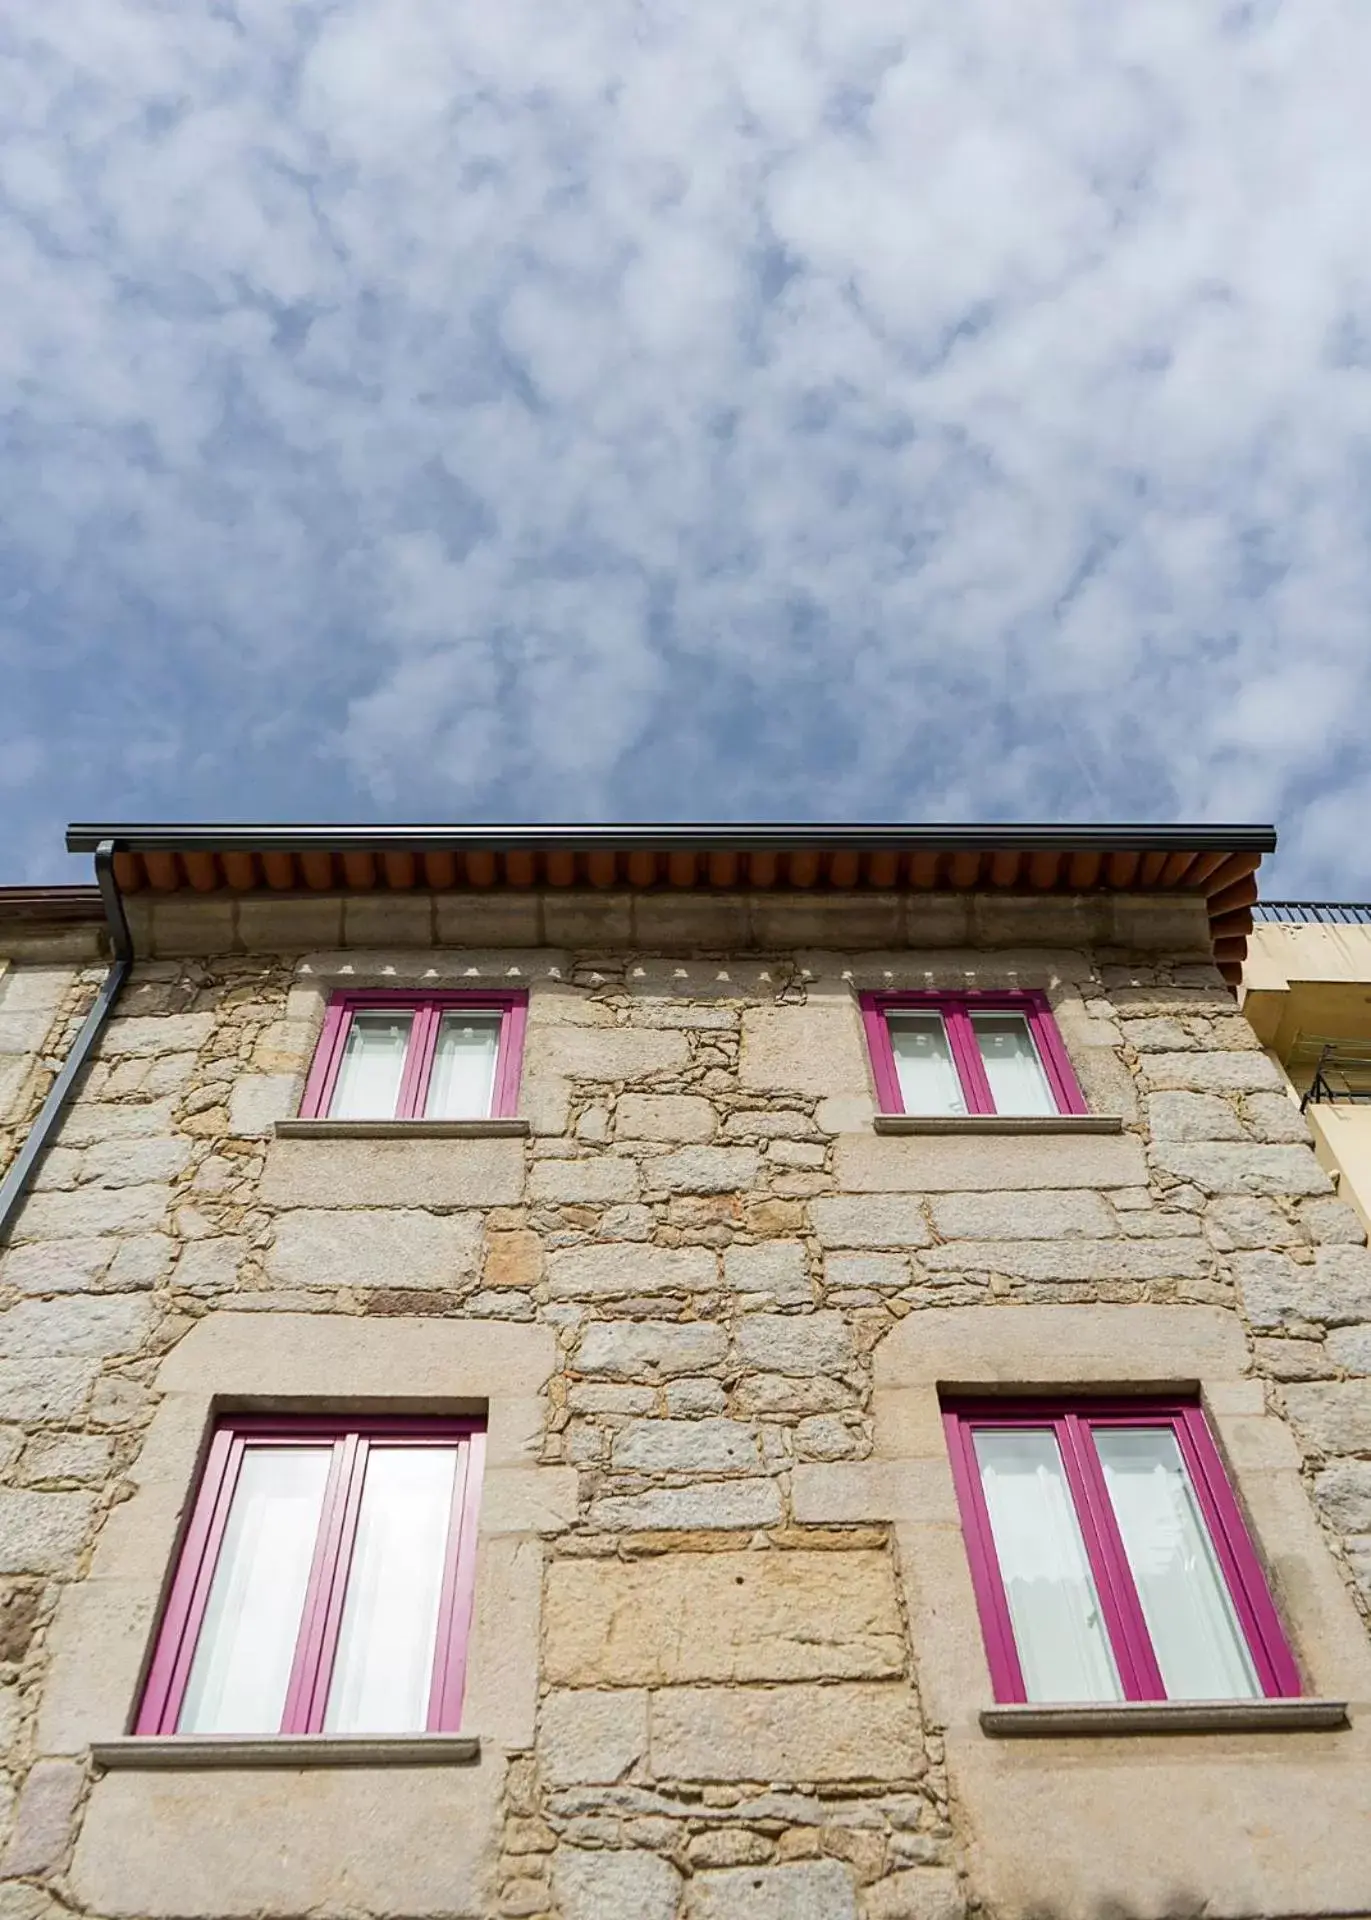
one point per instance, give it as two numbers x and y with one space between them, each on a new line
423 1039
1133 1653
330 1619
966 1056
300 1686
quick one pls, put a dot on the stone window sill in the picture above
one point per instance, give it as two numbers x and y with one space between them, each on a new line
400 1129
1164 1716
161 1752
998 1123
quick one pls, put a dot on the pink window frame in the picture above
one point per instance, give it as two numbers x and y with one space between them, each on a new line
428 1010
956 1010
321 1616
1072 1423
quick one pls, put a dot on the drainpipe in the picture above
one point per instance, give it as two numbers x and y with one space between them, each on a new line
16 1181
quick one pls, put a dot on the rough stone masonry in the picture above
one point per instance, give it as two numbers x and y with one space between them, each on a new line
728 1724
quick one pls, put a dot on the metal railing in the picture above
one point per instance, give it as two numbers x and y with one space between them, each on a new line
1342 1070
1331 913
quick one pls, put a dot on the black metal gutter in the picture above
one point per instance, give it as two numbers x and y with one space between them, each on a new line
721 838
16 1182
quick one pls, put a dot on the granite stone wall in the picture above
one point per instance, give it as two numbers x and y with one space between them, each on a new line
729 1725
46 987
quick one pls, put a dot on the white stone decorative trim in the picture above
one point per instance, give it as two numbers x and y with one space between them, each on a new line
1033 1721
165 1751
401 1129
997 1123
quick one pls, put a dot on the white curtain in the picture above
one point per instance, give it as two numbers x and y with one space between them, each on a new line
1017 1081
1196 1636
384 1664
1060 1634
242 1663
923 1064
373 1064
463 1075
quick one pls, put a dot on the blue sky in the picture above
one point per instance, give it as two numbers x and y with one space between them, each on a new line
833 409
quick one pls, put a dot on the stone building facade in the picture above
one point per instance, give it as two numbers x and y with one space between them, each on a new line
725 1661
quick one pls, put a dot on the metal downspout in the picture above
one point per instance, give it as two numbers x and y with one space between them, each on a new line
16 1181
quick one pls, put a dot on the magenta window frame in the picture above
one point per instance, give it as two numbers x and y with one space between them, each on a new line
955 1010
428 1009
322 1612
1072 1423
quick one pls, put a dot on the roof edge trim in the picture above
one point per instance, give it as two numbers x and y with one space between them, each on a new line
130 837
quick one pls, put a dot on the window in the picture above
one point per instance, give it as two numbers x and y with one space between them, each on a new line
1109 1557
432 1056
325 1584
951 1053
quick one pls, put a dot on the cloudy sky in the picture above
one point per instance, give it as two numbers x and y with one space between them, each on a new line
833 409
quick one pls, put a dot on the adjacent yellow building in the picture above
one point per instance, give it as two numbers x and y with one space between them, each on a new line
1306 988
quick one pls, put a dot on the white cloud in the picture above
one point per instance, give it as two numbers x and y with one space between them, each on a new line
838 408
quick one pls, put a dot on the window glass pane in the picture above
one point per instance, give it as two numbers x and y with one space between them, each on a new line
1017 1081
383 1669
373 1064
924 1065
1058 1627
243 1657
1196 1637
463 1075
